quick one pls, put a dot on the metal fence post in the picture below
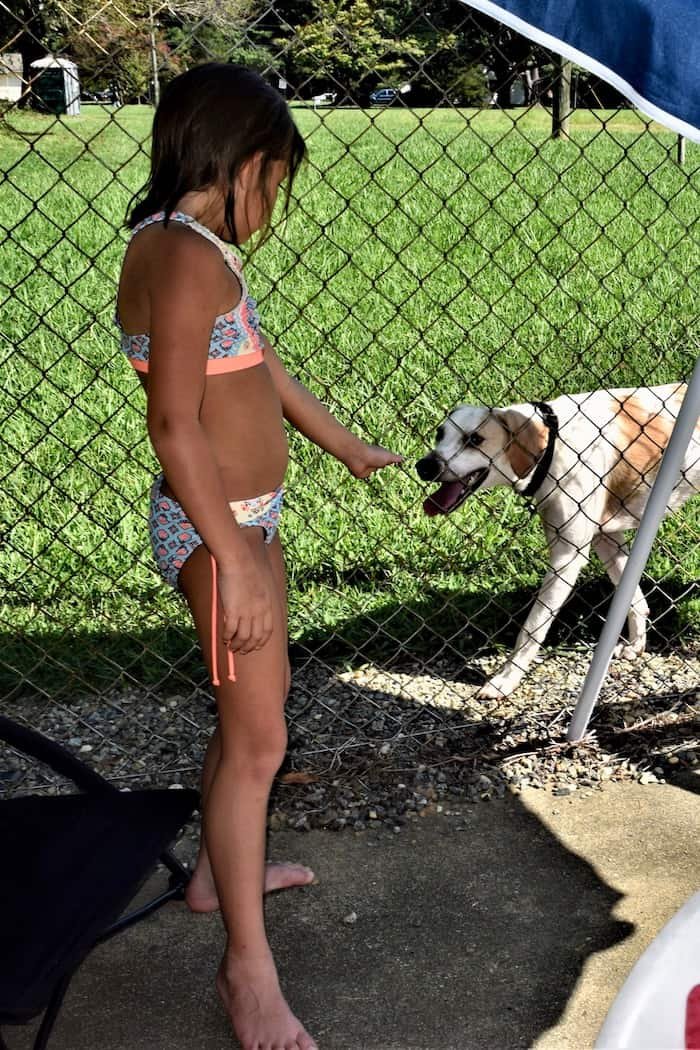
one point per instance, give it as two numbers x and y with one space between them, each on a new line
646 534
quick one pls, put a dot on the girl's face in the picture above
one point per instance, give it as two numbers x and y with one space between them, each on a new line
253 199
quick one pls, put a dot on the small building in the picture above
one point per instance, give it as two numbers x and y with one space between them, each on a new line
11 82
55 85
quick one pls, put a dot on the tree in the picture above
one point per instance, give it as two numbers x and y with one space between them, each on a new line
446 51
110 45
194 31
223 14
30 29
350 43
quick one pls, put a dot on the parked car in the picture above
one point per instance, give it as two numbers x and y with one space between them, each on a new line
384 96
108 95
326 99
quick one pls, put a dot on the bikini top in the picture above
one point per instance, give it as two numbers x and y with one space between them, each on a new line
236 339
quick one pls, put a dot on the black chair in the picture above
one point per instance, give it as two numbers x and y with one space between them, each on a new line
71 865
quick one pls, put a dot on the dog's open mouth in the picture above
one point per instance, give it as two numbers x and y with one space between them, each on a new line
452 494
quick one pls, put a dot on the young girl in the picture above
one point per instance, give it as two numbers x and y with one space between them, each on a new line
223 141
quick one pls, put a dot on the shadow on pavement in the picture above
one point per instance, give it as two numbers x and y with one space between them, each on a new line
472 930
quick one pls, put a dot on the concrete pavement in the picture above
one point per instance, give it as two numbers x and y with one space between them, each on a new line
493 926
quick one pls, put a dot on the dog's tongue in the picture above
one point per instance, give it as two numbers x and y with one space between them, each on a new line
442 501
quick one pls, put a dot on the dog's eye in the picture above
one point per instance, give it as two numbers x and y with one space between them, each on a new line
439 435
473 440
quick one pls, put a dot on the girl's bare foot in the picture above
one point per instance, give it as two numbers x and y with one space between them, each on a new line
201 892
258 1012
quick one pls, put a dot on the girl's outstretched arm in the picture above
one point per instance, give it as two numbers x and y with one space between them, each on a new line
312 419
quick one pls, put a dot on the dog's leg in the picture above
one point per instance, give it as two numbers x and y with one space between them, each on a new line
612 551
567 561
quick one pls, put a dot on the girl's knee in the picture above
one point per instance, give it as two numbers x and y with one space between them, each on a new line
257 752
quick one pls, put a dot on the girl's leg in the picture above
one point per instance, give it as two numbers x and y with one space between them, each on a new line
201 891
252 742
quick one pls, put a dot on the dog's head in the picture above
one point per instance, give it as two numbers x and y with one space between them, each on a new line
477 448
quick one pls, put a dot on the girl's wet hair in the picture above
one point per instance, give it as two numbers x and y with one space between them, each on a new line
210 120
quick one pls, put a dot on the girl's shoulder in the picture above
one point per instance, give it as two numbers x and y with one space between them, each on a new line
187 238
173 246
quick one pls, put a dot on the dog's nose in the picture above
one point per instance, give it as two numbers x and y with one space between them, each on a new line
428 468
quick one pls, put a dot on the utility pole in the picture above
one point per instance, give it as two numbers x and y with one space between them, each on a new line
561 104
680 150
154 57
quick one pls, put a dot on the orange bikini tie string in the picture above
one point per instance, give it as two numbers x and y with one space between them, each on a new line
229 655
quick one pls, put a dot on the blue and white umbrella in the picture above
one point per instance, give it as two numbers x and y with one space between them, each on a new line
650 51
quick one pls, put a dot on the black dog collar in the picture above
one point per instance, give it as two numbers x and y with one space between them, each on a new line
543 464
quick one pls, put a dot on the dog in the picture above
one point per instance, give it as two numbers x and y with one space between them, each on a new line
587 461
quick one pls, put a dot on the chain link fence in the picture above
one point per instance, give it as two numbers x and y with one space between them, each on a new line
477 223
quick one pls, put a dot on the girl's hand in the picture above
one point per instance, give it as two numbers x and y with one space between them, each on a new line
246 595
364 459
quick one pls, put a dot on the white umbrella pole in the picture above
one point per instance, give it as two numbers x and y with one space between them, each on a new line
639 555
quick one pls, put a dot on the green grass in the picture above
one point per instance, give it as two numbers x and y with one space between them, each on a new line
433 256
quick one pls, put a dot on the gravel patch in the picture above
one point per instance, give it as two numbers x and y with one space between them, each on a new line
372 746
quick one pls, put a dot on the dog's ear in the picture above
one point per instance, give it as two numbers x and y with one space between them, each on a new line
527 439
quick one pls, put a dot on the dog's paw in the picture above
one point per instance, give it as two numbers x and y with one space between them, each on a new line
495 689
625 651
